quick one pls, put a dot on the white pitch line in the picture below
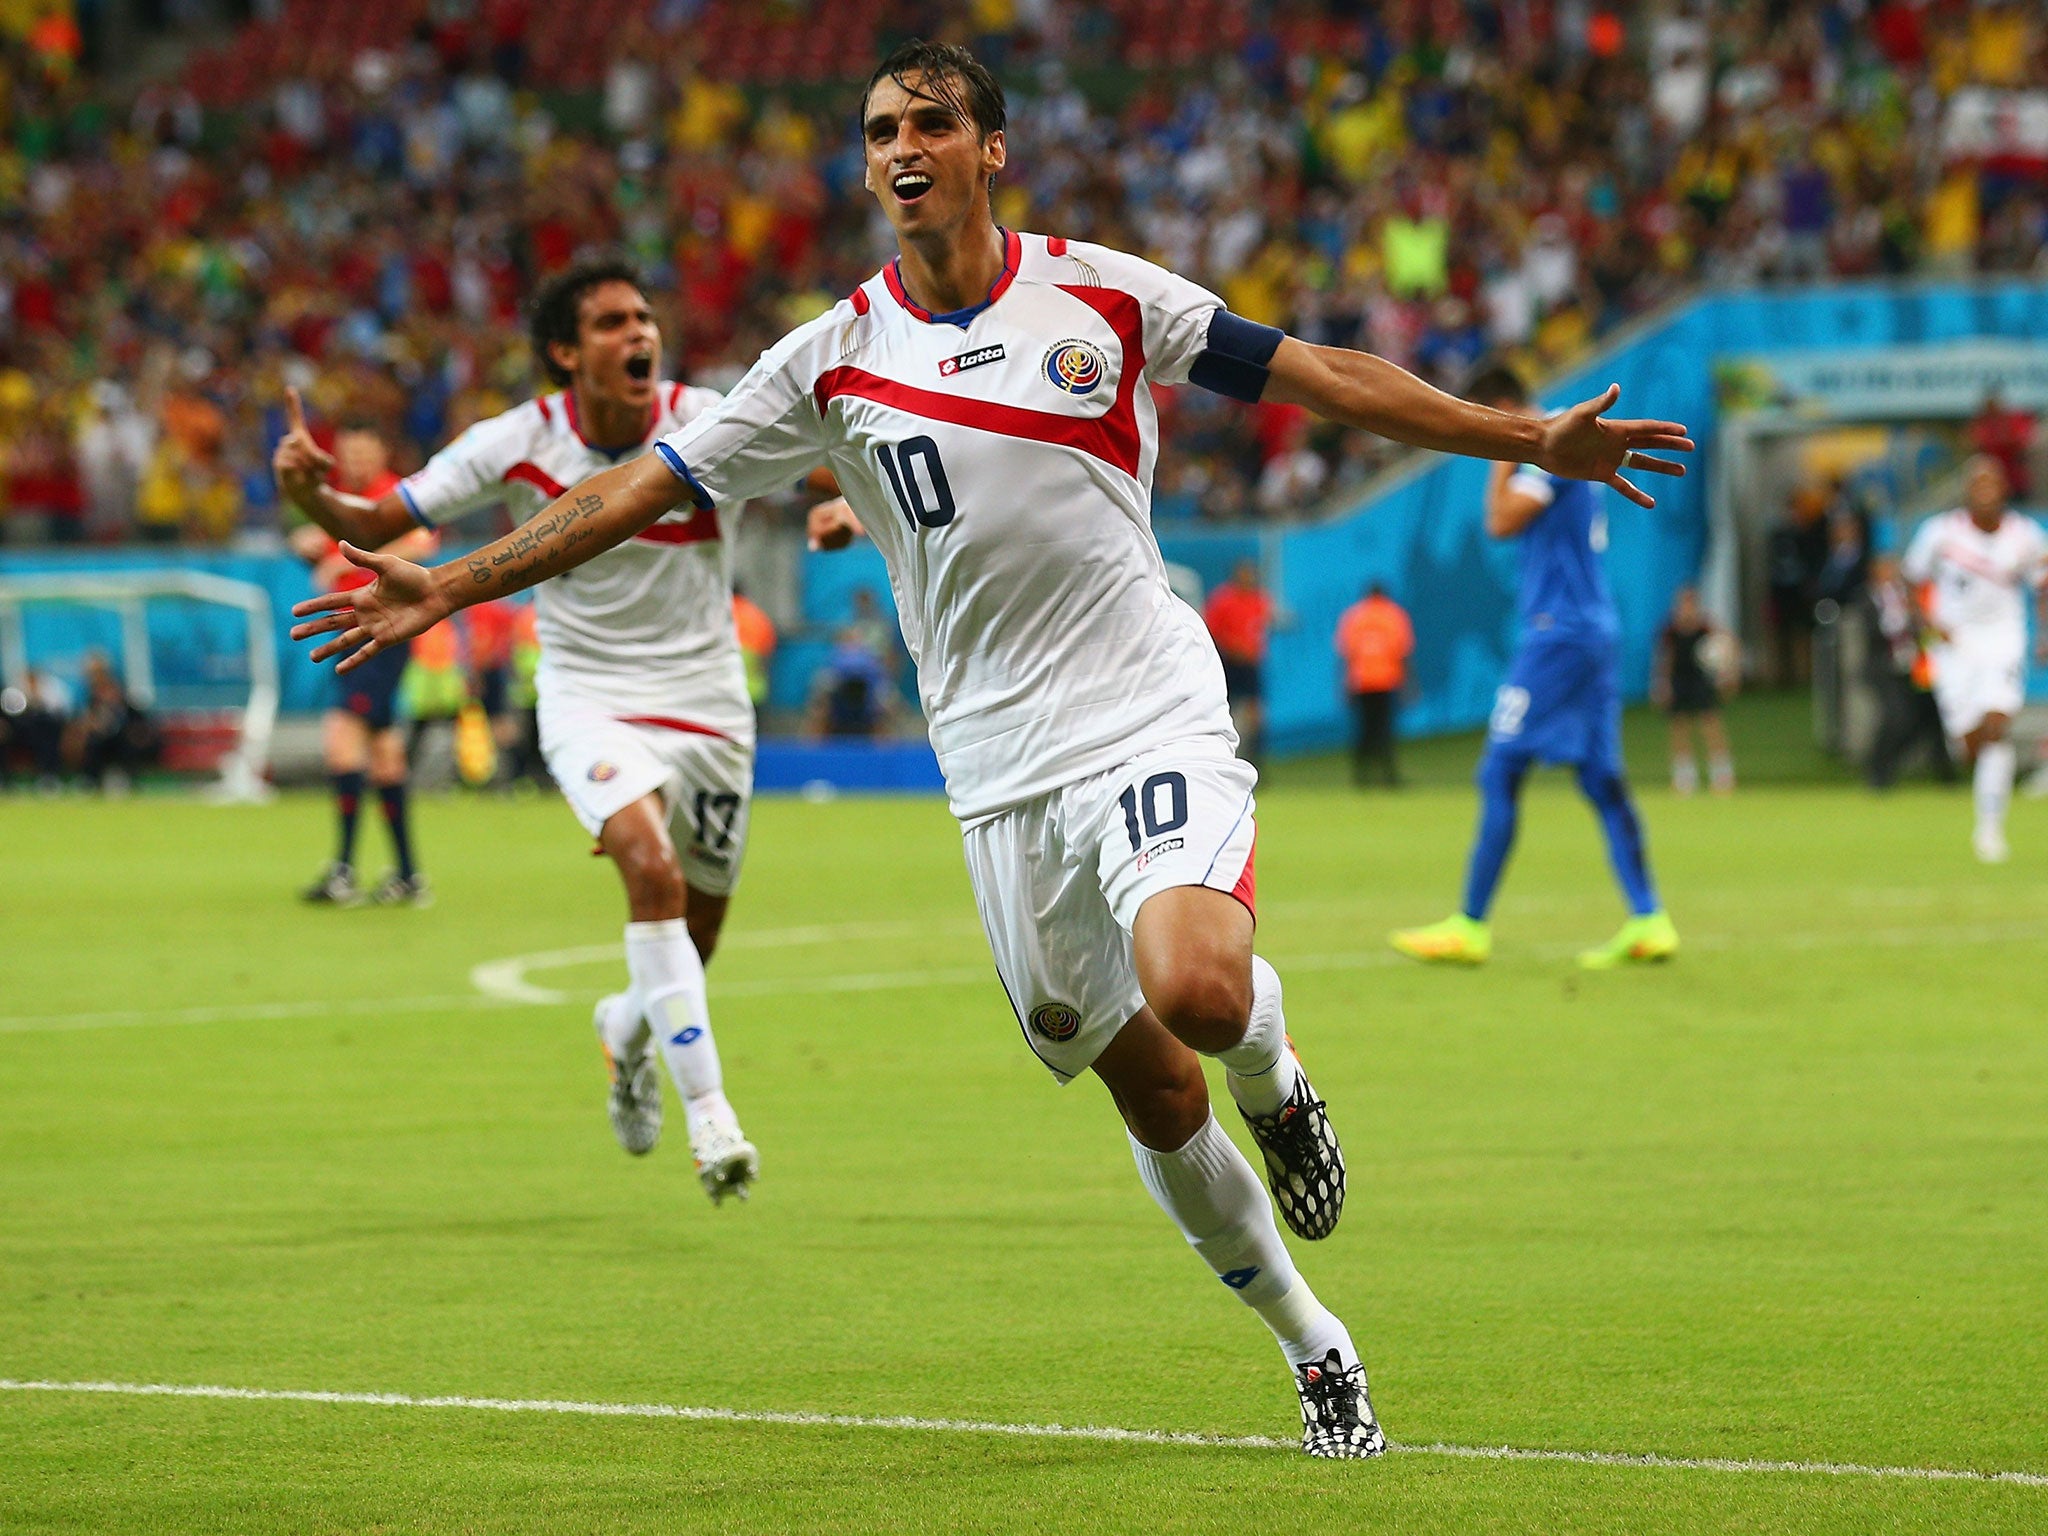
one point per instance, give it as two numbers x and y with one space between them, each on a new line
501 983
1097 1432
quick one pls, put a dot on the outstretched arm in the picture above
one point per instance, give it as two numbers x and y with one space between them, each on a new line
1357 389
407 599
302 467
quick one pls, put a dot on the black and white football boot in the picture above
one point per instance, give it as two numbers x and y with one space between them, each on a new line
1337 1422
635 1102
336 887
1304 1164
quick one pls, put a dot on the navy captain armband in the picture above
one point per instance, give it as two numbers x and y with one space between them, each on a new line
1237 358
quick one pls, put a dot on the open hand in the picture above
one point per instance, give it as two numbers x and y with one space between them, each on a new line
832 525
402 602
1581 445
300 464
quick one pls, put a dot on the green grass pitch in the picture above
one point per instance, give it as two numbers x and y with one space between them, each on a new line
1786 1199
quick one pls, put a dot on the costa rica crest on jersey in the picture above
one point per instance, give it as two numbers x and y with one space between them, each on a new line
1056 1021
1074 366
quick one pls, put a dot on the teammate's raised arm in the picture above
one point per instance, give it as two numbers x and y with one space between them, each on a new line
1360 390
407 599
303 468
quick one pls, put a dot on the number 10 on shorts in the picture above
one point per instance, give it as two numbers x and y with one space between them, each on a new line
1159 806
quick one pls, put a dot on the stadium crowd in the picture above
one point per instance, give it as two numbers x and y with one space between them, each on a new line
1429 179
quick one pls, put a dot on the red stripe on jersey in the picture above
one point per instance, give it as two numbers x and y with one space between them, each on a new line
1246 889
1055 245
861 303
671 723
699 528
547 413
536 477
1111 437
675 397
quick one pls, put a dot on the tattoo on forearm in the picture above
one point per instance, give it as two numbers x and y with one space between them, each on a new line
535 545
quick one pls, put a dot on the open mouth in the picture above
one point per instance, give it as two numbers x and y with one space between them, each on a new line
640 367
910 186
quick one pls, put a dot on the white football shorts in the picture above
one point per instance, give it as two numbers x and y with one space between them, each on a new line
1059 881
1972 681
604 759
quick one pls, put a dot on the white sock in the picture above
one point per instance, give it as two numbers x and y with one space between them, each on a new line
1259 1070
1219 1205
1993 782
1721 774
1685 775
624 1026
668 989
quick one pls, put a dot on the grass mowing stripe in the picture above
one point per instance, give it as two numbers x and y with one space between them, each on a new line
989 1427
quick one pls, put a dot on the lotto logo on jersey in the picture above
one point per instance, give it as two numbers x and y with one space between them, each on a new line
980 357
1056 1021
1075 366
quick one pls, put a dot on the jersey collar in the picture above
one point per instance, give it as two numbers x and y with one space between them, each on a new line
576 425
1013 256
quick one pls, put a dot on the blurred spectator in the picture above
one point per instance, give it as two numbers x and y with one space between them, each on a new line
43 496
1796 550
33 718
112 738
491 632
1695 663
2007 434
852 695
757 643
1903 675
1240 616
1842 572
1375 640
1408 179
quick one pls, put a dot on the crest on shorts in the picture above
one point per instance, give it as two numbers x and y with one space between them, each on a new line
1056 1021
599 772
1075 366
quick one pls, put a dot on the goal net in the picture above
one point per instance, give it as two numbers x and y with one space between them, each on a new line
196 649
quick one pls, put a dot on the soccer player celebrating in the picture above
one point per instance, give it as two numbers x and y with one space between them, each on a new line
983 402
1561 703
644 714
1978 557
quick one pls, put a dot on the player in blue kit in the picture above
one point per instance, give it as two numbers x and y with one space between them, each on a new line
1561 703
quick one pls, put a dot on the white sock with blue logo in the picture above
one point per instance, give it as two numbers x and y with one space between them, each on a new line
1219 1205
668 990
1260 1071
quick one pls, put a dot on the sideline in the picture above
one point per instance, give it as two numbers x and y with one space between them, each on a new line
1025 1431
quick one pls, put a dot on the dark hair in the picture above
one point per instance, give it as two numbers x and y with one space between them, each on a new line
953 77
1497 385
557 305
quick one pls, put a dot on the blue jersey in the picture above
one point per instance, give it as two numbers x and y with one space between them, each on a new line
1564 584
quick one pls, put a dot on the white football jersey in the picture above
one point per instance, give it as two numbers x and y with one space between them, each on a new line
1978 576
1001 458
647 626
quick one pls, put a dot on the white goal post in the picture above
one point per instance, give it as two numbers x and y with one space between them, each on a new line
127 593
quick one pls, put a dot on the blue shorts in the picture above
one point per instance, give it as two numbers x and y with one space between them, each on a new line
370 692
1561 703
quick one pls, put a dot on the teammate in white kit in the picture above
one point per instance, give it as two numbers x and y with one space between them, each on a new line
1979 556
644 716
982 401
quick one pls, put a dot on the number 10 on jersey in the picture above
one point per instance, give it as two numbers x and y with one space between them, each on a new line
918 482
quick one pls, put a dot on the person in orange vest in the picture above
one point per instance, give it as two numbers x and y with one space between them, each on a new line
1239 615
757 643
1375 640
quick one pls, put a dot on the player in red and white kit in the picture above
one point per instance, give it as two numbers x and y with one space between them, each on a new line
1979 556
644 716
983 401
